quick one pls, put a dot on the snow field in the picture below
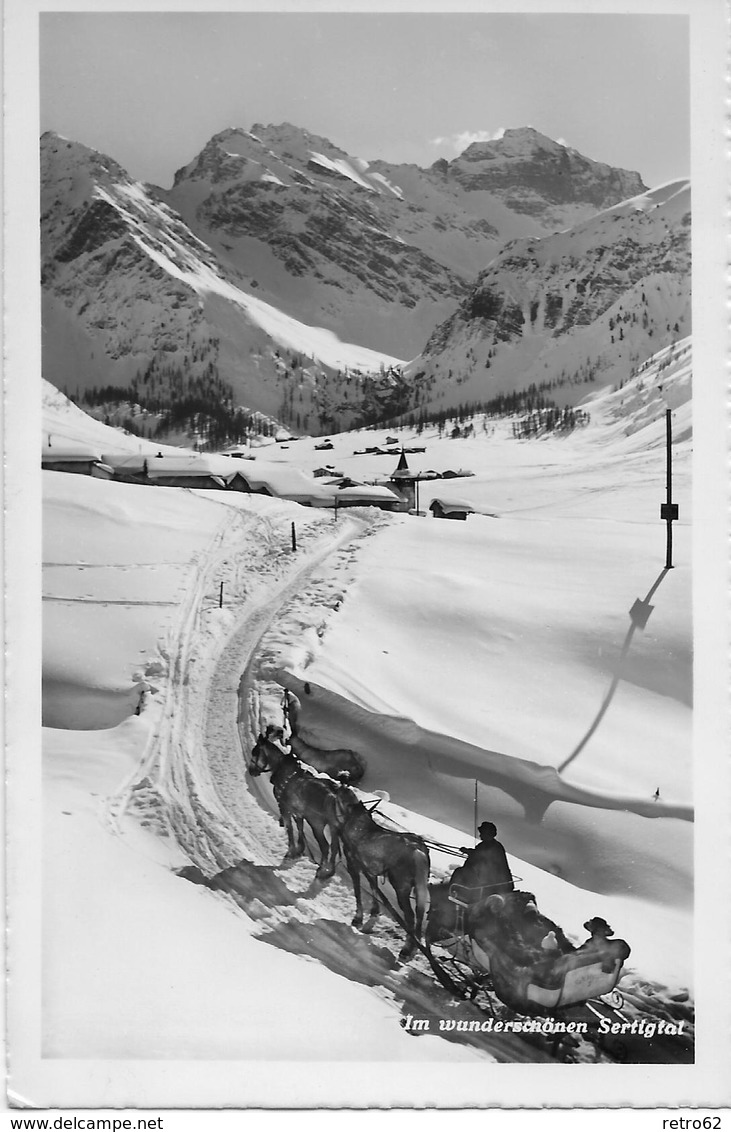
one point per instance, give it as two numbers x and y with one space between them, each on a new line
124 939
462 634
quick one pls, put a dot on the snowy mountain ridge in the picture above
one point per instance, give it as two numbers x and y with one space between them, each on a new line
275 240
583 306
129 289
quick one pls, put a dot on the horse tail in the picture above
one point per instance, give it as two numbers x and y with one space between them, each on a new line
421 887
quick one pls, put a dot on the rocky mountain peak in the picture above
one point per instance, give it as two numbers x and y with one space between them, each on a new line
537 176
294 141
60 157
523 141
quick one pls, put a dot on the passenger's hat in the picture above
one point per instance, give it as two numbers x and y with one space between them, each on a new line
488 828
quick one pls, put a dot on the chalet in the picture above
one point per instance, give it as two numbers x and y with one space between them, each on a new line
367 495
186 469
238 452
128 467
283 482
80 459
450 509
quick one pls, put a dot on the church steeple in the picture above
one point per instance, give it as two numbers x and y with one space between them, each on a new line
402 468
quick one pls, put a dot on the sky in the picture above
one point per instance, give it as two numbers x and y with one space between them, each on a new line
150 89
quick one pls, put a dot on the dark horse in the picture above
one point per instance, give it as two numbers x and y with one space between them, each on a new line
343 764
371 850
301 797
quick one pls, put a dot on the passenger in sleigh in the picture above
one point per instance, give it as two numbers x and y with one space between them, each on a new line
486 870
607 950
524 933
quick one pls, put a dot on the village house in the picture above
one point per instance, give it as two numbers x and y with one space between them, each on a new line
79 459
450 509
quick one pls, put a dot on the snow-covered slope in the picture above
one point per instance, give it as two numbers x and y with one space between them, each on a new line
129 290
511 649
583 306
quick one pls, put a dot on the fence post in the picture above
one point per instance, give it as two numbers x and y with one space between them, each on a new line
294 538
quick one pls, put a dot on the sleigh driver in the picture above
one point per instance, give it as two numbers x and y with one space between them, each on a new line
486 870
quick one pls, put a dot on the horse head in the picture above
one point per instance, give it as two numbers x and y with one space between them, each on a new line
263 756
346 801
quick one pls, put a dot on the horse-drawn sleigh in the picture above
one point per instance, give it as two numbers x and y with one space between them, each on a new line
489 938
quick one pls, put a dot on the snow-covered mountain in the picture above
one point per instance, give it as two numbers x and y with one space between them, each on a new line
277 261
358 239
132 297
585 306
534 176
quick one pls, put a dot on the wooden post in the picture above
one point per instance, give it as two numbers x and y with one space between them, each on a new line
220 597
475 810
294 538
668 510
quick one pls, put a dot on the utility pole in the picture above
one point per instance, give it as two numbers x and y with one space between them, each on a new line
669 510
475 809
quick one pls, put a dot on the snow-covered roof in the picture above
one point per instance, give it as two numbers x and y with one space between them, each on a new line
68 452
242 451
448 505
367 491
127 461
284 481
190 464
